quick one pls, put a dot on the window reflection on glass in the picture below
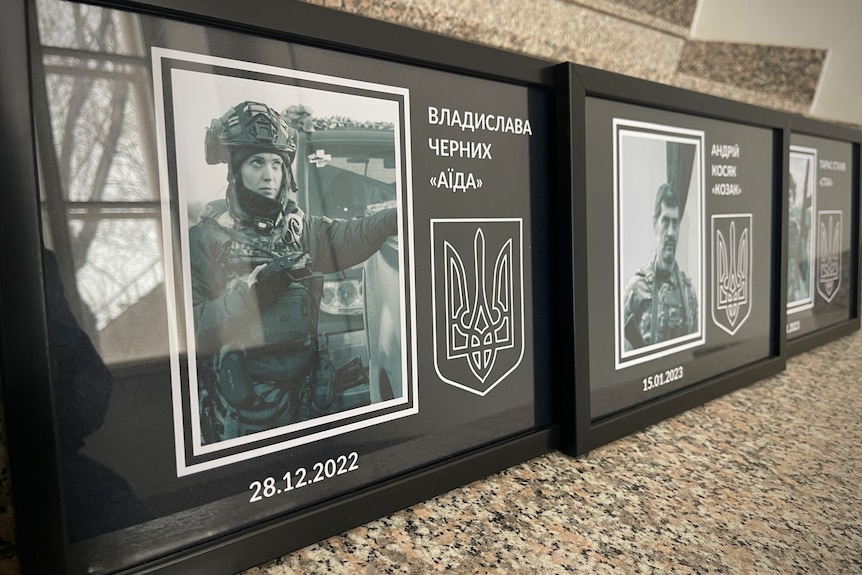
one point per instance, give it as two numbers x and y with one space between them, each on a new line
100 200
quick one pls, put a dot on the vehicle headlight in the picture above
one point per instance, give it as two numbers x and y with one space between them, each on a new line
342 297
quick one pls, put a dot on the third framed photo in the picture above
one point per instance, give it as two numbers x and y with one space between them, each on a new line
822 233
676 217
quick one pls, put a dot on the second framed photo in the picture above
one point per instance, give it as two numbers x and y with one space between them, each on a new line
676 246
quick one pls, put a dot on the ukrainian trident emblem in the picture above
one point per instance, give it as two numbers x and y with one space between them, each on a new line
731 270
477 278
828 253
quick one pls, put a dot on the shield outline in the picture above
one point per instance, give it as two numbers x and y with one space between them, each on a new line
714 298
820 214
480 388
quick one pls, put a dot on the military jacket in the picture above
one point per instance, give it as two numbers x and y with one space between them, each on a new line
659 306
222 255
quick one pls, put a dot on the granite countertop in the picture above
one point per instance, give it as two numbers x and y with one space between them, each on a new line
767 479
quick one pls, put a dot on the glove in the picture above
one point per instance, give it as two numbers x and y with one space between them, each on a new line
277 275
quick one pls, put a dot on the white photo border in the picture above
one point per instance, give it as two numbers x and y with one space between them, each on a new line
403 406
810 154
621 126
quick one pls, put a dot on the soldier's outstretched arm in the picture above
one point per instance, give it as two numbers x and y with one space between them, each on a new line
344 243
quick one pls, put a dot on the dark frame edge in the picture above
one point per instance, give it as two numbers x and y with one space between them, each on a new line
644 415
267 541
571 377
781 219
25 361
602 83
857 210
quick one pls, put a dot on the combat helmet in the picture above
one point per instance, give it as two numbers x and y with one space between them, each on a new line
246 129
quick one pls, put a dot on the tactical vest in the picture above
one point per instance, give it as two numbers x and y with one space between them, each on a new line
668 311
289 321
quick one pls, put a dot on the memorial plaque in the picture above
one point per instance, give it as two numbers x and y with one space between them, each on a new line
291 265
822 234
677 221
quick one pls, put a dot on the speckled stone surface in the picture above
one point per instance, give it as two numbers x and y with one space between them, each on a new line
640 38
758 98
550 29
790 73
678 13
767 479
626 11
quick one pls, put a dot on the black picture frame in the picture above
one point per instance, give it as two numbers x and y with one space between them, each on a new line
850 138
31 404
579 292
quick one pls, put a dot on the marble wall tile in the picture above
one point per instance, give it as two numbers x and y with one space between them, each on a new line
639 38
679 12
673 16
578 34
731 92
785 72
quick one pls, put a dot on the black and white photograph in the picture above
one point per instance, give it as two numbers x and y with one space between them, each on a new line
821 273
802 202
290 188
659 240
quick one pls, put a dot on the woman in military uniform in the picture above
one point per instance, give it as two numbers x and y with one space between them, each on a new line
257 265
